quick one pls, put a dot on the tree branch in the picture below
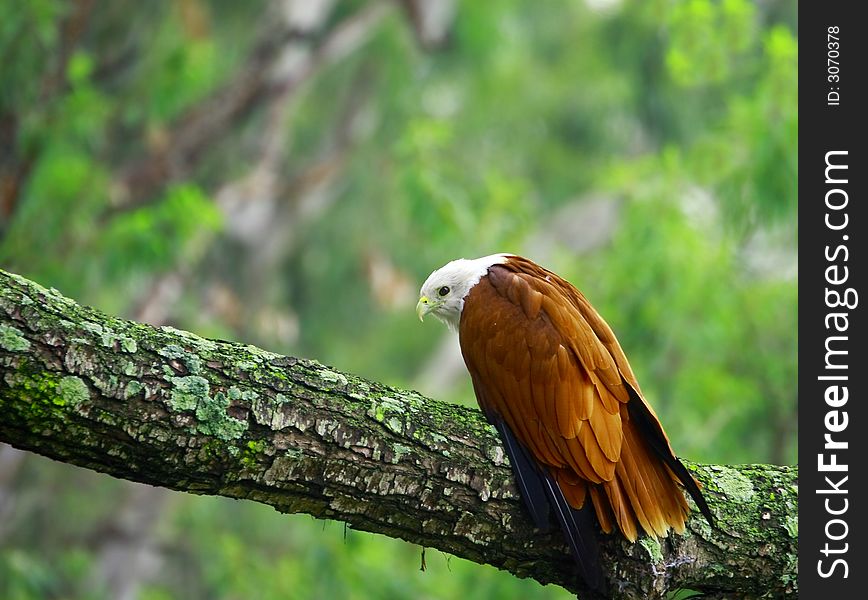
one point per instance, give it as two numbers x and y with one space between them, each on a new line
168 408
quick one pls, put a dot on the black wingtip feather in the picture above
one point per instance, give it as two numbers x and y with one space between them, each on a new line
578 528
530 484
542 496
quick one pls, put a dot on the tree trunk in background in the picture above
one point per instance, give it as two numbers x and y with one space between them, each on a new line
11 460
168 408
127 554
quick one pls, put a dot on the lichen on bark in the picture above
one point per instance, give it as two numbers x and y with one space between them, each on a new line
169 408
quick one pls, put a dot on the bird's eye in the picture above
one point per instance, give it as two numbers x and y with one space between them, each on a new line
443 291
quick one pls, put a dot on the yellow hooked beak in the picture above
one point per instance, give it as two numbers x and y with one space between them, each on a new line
423 307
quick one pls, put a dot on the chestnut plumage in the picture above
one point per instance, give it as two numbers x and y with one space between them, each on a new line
549 374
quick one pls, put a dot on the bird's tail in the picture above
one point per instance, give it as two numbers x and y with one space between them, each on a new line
646 421
645 492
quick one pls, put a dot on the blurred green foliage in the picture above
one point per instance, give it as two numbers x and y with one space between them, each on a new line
681 116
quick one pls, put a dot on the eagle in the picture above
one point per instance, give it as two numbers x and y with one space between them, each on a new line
550 376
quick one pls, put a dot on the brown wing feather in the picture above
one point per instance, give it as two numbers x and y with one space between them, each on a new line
545 361
510 381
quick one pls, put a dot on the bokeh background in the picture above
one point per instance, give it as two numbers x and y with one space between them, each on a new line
287 172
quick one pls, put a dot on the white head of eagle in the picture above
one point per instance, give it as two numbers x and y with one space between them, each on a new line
444 291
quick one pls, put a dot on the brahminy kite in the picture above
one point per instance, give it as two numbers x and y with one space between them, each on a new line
549 374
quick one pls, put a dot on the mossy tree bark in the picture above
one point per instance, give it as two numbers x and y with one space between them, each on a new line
169 408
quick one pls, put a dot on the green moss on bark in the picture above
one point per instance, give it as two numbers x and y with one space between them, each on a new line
72 390
12 339
188 392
